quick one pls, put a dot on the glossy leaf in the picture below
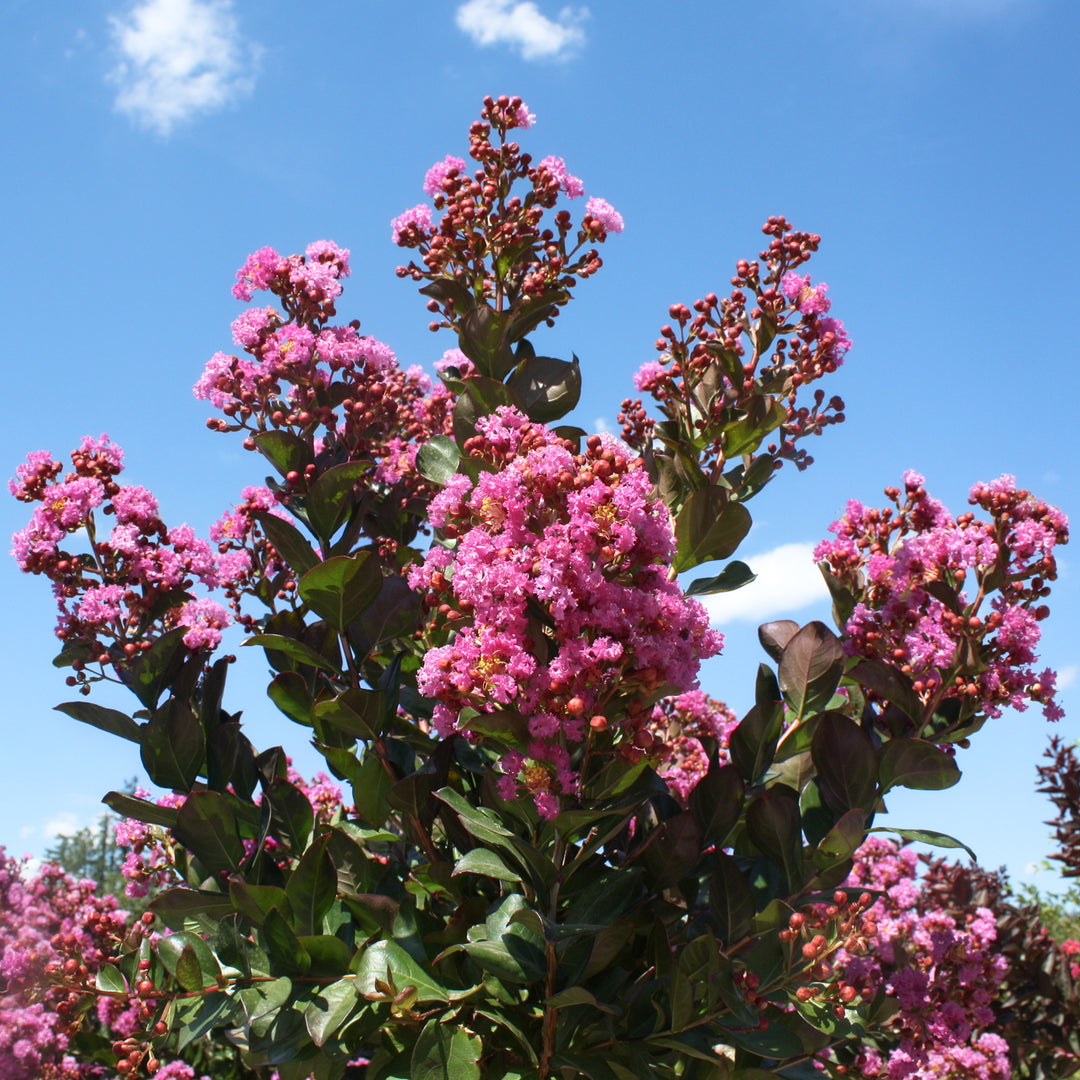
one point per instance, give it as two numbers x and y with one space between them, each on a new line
912 763
709 526
295 650
201 969
810 668
154 669
289 692
445 1052
330 497
928 836
673 849
548 388
773 825
285 451
846 763
206 824
140 809
173 746
482 338
753 742
437 459
774 636
888 683
356 712
387 958
312 887
330 1008
734 576
839 844
292 813
284 947
731 900
255 901
717 800
290 543
487 864
111 720
342 587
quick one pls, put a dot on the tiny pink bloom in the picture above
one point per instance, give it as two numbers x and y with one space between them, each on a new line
605 213
434 177
411 226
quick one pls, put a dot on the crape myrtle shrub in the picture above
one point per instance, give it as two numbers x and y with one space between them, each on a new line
556 855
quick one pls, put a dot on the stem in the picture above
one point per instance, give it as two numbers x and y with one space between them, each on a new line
551 1016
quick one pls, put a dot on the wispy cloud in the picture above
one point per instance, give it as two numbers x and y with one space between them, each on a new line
180 59
787 580
1067 676
521 25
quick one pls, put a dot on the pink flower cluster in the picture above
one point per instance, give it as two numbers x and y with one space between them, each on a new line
46 918
312 281
558 598
339 391
679 724
954 603
488 231
944 976
118 593
745 354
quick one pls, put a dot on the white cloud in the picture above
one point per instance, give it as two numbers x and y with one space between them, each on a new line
787 580
1067 676
64 824
178 59
520 24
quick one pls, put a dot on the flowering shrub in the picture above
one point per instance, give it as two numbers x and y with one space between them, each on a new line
556 856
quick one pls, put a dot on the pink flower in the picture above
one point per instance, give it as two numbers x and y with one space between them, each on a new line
434 177
258 272
205 620
605 213
570 184
410 228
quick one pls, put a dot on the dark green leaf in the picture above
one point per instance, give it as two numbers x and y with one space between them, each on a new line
912 763
370 788
111 720
330 497
173 746
731 901
486 863
734 576
774 636
709 526
292 813
295 650
140 809
810 668
388 958
839 844
282 944
173 906
673 849
888 683
482 338
201 969
330 956
437 459
109 980
927 836
206 825
285 451
445 1052
289 692
288 540
356 712
774 827
342 587
330 1008
154 669
846 763
254 901
548 388
312 887
753 742
717 800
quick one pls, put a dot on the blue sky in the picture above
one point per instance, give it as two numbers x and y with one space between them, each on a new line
932 143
